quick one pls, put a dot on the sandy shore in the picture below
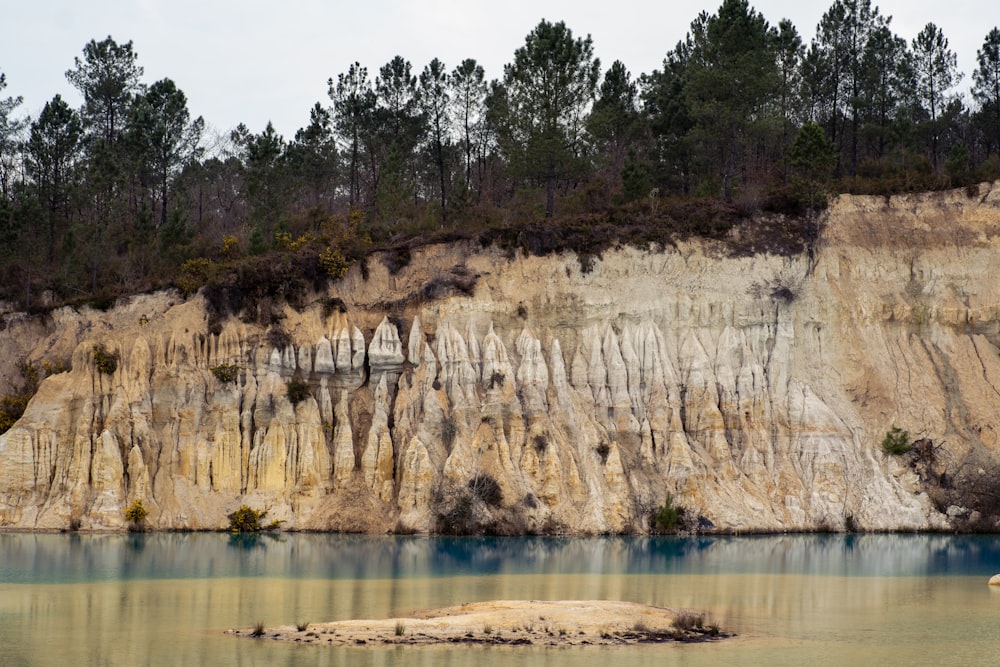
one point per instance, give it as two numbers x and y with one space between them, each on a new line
513 622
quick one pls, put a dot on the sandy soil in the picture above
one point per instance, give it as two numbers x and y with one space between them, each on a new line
557 623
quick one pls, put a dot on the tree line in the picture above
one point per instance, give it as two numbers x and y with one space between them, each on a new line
128 191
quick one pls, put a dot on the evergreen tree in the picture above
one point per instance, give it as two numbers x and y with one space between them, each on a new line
549 88
313 156
732 76
790 51
401 129
936 68
813 158
262 156
614 119
842 39
108 78
53 147
671 123
435 102
10 134
468 94
888 86
164 134
399 113
354 110
986 86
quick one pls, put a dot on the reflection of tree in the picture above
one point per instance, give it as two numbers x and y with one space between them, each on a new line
249 541
136 542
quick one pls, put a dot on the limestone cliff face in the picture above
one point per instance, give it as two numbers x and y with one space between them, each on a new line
755 390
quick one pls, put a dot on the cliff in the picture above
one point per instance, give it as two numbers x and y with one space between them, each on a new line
473 391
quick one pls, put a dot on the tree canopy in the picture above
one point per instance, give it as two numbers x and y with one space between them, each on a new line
132 190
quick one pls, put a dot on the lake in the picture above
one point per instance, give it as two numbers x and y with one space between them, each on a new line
165 599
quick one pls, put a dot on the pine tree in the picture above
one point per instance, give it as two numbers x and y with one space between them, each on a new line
549 88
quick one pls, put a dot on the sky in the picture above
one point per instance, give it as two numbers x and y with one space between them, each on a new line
253 61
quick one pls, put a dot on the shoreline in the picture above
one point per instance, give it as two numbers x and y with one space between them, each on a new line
508 622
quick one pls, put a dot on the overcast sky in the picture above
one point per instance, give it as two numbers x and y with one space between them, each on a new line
252 61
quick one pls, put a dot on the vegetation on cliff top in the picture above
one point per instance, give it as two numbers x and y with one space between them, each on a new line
557 153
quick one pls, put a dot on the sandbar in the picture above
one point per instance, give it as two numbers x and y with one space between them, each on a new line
508 622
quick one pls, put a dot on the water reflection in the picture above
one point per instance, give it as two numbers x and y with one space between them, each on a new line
248 541
30 558
163 599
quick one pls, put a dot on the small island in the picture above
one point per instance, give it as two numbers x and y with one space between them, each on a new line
508 622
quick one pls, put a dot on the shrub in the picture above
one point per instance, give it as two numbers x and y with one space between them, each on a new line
226 373
230 247
106 362
298 390
13 405
603 450
896 441
258 629
278 338
136 513
486 488
11 409
248 520
458 519
195 273
50 368
669 518
333 263
687 621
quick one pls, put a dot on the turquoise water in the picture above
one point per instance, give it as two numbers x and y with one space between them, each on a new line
165 599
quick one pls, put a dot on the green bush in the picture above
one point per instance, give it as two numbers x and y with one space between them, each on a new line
226 373
248 520
195 273
136 513
896 441
298 390
669 518
106 362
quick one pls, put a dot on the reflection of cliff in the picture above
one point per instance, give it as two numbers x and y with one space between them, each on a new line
755 389
51 558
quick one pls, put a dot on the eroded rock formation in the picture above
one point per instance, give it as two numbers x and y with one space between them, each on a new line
755 390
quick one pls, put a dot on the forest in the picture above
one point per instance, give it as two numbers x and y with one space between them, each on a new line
129 193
